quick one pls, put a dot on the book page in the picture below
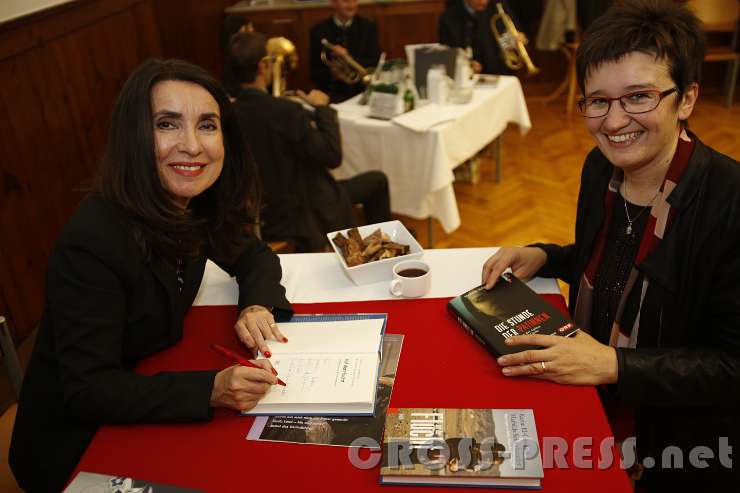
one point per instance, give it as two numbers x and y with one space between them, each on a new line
329 378
342 336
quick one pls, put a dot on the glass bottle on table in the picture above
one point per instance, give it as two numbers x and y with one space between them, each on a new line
408 96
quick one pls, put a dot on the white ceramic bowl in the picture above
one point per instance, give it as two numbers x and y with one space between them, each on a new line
379 270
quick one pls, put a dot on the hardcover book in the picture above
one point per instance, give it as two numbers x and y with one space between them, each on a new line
461 447
329 364
337 430
510 308
87 482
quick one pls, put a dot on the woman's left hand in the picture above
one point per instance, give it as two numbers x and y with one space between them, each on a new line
257 325
576 360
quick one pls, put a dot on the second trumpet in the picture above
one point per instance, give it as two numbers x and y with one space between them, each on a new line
342 65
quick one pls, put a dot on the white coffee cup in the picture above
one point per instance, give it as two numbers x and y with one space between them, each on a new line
411 279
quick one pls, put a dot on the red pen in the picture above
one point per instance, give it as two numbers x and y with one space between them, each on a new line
244 362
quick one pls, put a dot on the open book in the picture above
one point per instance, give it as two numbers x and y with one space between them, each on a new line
330 365
337 430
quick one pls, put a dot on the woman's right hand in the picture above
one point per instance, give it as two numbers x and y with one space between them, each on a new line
524 263
240 387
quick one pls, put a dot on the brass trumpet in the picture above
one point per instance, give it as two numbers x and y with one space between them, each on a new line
284 58
513 50
344 67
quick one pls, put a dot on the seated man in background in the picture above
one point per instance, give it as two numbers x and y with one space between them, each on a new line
294 149
231 25
467 23
352 34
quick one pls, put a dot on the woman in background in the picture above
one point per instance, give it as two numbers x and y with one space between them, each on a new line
175 187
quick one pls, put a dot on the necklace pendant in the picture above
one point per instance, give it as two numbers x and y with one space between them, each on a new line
629 229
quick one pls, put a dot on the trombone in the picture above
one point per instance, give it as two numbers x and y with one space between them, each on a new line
512 48
343 66
284 58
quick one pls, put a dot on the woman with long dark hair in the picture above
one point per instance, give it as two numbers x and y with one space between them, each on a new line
176 186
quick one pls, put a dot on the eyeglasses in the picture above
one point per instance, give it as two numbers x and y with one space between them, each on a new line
633 102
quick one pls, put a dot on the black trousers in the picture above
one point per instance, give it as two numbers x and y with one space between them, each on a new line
371 190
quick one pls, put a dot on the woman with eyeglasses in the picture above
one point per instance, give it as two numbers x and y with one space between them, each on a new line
654 271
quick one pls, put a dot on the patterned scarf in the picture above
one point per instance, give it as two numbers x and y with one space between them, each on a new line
627 320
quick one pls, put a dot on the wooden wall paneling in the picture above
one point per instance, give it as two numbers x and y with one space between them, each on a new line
190 30
309 18
33 177
408 23
57 95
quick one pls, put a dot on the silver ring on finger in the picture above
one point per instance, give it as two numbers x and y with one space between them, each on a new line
544 367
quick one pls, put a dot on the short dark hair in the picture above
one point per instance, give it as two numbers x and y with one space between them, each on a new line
246 50
663 28
232 24
216 220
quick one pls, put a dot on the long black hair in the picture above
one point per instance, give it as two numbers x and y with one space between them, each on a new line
216 221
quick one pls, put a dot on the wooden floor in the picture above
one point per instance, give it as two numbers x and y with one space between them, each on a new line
536 198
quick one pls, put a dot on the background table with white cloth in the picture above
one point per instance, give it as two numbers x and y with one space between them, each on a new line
419 164
318 278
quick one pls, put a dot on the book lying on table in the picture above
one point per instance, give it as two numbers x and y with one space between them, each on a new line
329 364
87 482
461 447
511 308
337 430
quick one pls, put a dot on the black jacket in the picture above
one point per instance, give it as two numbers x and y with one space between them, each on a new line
294 150
459 29
107 308
360 39
685 384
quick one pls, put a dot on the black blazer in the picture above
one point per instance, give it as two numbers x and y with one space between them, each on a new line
459 29
106 309
683 378
294 150
360 39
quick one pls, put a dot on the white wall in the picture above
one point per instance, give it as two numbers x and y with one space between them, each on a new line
11 9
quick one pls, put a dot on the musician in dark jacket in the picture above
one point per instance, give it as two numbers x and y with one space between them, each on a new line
295 149
353 34
467 23
654 271
174 189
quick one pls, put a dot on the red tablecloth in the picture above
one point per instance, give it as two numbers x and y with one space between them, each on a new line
440 366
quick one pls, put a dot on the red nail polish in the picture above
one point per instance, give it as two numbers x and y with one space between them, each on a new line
285 339
274 371
267 354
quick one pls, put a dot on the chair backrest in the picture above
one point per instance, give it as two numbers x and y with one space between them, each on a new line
717 15
10 358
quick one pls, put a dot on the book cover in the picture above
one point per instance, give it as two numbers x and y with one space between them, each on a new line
461 447
87 482
330 366
510 308
333 430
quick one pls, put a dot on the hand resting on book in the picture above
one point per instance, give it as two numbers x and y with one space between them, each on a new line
257 325
524 263
576 360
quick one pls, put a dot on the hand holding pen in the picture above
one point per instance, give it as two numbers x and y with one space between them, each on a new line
241 386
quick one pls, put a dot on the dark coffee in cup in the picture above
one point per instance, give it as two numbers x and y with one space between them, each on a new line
412 273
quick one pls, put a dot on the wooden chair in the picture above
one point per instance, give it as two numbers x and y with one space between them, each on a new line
721 16
7 420
277 246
